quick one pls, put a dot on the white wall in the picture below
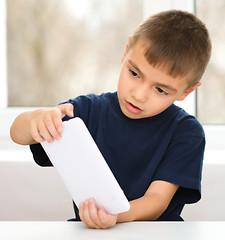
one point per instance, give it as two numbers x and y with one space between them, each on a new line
29 192
211 207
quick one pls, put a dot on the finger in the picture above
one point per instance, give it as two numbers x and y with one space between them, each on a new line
43 131
57 125
106 219
69 110
35 133
66 109
85 216
94 213
50 126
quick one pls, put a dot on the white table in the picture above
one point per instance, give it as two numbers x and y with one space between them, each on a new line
129 231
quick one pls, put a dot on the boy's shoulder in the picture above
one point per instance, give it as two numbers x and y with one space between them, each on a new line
91 105
92 97
187 123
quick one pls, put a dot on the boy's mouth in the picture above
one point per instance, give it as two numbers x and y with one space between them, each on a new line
132 108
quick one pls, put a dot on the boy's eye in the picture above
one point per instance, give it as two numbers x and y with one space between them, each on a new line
133 73
161 91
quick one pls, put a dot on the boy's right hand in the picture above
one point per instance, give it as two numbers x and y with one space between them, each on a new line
46 124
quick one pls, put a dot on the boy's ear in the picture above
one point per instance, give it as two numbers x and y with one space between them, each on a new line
125 51
190 90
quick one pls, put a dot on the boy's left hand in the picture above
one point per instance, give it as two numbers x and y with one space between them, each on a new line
96 218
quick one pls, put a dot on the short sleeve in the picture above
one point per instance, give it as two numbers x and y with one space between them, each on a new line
39 155
182 163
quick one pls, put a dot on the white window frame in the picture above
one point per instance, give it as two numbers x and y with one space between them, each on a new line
215 147
3 63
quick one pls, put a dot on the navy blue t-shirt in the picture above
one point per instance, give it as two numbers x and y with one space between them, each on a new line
167 147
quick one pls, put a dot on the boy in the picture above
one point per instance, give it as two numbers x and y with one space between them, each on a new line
154 148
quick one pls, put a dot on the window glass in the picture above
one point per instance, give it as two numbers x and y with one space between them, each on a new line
59 49
211 95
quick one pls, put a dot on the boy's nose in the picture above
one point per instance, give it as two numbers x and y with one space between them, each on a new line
140 94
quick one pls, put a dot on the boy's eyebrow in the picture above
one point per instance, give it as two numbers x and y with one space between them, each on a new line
136 67
160 84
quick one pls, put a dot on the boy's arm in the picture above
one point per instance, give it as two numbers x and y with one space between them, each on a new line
149 207
40 125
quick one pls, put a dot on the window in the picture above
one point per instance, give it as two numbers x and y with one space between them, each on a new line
56 51
211 95
3 77
60 49
78 50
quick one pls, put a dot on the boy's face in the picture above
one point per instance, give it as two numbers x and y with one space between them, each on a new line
145 91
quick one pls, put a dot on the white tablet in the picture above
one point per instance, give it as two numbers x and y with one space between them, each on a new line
83 169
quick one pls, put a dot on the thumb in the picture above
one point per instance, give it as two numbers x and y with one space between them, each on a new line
67 109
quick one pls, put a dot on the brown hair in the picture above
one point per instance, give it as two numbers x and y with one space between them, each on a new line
178 43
